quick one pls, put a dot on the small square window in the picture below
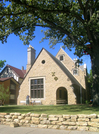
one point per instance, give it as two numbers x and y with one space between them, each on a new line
12 86
61 57
75 72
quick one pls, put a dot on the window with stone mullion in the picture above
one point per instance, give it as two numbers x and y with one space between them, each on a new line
37 88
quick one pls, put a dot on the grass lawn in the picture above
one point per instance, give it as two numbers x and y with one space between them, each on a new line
57 109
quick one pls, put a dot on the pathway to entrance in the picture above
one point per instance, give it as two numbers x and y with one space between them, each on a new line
30 130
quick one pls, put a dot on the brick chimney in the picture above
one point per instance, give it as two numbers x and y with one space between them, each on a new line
30 57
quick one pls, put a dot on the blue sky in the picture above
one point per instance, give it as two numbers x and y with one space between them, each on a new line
15 53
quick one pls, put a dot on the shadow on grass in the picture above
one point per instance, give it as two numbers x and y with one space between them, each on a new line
24 109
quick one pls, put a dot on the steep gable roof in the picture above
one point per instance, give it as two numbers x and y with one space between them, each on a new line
65 69
19 72
62 52
62 67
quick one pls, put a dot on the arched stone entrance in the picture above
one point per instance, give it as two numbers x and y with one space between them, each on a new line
61 96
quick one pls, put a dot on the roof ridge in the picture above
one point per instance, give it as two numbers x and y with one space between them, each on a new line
18 71
14 67
67 55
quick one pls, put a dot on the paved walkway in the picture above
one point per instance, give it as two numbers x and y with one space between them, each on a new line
29 130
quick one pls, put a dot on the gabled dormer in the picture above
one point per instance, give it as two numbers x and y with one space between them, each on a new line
77 71
65 59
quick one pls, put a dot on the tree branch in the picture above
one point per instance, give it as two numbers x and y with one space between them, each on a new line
81 5
45 11
96 2
14 14
1 18
29 25
86 8
62 30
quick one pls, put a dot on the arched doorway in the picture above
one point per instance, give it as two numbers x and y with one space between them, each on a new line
61 96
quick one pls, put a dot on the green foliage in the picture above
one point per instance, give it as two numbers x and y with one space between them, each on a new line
72 22
90 84
90 78
86 102
2 63
4 93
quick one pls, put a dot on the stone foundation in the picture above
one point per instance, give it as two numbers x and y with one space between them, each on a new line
66 122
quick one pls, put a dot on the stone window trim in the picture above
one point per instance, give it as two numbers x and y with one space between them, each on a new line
35 78
61 57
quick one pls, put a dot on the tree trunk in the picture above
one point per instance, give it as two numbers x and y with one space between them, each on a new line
95 73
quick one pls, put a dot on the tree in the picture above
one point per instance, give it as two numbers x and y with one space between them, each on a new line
2 63
89 85
4 93
73 22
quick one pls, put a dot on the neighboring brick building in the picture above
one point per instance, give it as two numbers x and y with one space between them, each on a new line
12 77
53 80
13 89
10 71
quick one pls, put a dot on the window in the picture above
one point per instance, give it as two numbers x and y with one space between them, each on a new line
37 88
13 86
75 72
12 96
7 70
43 61
61 57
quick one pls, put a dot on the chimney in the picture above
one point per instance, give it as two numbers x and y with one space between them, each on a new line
30 57
22 68
76 63
85 69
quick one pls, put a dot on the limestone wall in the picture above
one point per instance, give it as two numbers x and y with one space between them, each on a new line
51 85
66 122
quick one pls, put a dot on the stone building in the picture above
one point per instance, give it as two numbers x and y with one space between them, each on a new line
53 79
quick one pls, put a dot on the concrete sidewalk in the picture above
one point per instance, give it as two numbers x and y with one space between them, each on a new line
29 130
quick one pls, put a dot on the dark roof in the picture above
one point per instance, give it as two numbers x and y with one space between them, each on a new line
7 78
3 79
20 72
